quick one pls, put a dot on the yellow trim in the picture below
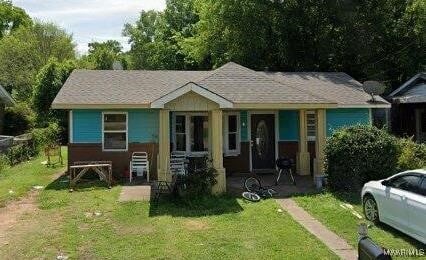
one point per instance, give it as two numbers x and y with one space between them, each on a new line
281 106
217 152
320 142
164 146
303 157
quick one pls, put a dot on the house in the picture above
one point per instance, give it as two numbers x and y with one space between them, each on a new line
408 113
5 100
243 119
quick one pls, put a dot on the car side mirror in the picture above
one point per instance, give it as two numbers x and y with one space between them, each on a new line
386 183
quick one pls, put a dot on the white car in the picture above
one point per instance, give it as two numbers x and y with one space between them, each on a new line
399 201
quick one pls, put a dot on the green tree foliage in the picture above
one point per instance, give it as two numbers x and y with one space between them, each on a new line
102 55
18 119
371 40
25 51
11 18
156 35
48 83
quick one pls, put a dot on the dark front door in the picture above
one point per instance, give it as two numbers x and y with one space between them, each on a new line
263 141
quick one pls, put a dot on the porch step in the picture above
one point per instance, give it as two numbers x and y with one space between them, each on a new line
135 193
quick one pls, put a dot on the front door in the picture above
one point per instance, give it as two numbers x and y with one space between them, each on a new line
263 141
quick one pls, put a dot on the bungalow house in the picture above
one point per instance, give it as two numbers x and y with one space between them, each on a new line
243 119
5 100
408 113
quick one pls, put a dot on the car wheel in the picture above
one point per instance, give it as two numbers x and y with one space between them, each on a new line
371 211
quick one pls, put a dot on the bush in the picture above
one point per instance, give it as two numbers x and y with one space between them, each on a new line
47 136
199 180
412 155
21 152
18 119
358 154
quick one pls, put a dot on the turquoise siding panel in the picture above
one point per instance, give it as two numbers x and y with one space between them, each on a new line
143 126
87 126
244 125
341 117
289 125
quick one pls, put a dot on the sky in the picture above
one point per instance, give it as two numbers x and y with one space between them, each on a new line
90 20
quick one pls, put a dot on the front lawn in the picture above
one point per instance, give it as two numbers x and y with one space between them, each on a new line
16 181
333 210
91 224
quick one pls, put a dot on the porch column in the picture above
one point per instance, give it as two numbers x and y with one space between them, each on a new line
320 142
303 158
217 153
164 146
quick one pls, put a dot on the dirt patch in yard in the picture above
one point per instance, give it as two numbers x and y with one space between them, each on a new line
194 225
11 215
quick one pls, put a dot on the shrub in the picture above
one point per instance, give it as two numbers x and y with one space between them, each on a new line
358 154
412 155
21 152
47 136
199 180
18 119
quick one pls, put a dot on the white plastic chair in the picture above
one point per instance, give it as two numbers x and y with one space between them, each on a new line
177 163
139 164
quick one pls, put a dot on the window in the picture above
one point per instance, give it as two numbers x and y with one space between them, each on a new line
232 134
423 187
311 125
180 128
191 133
406 182
114 132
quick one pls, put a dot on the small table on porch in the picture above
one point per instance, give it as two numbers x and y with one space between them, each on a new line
102 168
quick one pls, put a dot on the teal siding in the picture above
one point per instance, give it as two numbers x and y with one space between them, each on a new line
87 126
243 122
338 118
142 126
289 125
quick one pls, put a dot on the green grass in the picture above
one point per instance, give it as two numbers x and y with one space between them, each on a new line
16 181
326 207
214 228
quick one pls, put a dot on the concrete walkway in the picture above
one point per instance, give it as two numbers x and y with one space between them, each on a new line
338 245
135 193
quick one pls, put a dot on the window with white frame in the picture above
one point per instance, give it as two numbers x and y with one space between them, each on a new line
311 125
114 131
191 133
232 134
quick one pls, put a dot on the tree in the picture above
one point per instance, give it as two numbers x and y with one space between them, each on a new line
49 81
11 18
156 35
102 55
26 50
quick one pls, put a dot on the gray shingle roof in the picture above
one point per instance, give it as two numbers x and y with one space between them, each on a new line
336 86
231 81
5 98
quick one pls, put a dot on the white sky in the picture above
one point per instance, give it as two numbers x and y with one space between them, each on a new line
90 20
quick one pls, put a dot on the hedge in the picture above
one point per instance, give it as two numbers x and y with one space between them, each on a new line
358 154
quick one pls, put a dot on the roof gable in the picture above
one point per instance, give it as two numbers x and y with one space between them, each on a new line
192 87
408 84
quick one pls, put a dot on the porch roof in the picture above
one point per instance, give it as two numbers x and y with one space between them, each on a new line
231 83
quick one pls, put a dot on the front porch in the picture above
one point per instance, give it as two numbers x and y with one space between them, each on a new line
284 189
